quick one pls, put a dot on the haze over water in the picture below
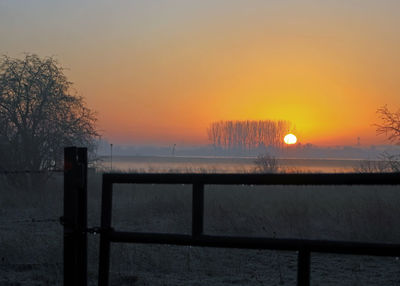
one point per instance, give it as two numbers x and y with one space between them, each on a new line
221 164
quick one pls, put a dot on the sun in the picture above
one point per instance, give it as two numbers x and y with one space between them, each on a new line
290 139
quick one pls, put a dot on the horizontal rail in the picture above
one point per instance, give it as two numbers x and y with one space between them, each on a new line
321 246
256 179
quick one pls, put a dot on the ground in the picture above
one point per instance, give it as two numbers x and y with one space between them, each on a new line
31 236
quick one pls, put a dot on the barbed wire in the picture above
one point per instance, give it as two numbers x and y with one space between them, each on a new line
60 221
17 172
33 220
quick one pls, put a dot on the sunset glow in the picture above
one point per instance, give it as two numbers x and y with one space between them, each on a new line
160 73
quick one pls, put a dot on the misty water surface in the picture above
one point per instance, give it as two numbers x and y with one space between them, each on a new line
221 164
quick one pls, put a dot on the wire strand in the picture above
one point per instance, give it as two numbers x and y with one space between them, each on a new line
15 172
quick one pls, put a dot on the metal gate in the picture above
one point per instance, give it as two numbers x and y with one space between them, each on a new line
75 217
199 238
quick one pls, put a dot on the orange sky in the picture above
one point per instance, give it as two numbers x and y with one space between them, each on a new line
160 72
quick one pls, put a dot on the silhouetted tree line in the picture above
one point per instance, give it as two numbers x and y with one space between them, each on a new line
248 134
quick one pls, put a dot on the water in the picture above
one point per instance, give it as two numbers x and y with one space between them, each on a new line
222 164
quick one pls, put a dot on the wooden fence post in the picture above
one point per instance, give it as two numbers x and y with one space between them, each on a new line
303 267
75 216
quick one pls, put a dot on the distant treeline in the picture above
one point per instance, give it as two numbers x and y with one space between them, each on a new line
248 134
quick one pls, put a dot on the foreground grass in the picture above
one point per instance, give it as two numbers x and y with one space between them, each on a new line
31 238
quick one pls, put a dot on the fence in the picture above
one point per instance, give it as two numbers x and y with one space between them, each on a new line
75 230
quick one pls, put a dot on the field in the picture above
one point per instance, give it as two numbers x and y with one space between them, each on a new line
222 164
31 237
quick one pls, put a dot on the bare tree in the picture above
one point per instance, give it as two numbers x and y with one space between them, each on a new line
39 115
390 124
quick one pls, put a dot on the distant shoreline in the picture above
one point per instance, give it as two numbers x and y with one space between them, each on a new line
225 164
233 158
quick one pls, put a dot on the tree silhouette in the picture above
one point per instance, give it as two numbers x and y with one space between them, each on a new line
39 115
247 134
390 124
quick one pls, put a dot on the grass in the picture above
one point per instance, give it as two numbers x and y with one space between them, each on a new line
31 247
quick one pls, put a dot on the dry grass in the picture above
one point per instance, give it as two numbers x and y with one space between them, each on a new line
31 248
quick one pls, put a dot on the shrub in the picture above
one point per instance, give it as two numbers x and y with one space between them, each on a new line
266 164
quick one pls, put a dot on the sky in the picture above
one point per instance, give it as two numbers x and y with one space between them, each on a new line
159 72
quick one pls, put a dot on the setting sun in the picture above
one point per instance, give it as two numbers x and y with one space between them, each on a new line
290 139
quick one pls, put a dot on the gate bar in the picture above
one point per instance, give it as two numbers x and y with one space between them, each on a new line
106 210
256 179
197 209
283 244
